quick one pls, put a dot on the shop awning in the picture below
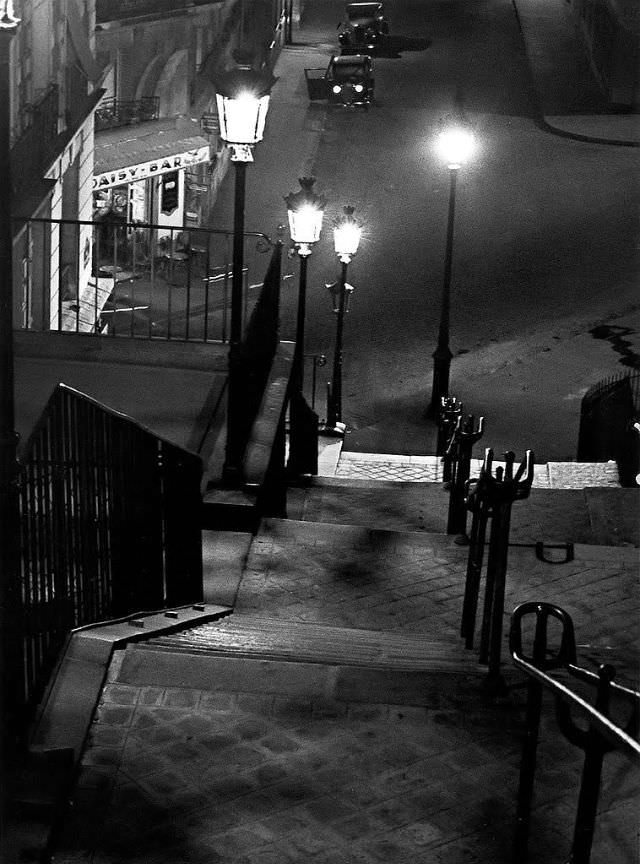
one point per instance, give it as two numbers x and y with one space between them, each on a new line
145 150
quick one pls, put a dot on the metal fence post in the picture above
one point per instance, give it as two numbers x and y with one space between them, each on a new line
503 489
450 411
465 437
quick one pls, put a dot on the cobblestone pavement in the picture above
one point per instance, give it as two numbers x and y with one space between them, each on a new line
190 771
380 580
552 475
176 775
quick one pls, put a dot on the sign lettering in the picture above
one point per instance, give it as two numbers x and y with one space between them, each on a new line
150 169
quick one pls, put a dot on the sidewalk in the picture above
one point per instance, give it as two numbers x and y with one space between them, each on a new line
569 99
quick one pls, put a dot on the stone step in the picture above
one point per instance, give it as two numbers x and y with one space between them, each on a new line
428 469
597 515
299 661
257 636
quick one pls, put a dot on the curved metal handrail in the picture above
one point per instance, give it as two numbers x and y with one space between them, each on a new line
620 738
598 737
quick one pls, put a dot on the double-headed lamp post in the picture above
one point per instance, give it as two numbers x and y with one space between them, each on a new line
347 232
305 210
455 146
242 97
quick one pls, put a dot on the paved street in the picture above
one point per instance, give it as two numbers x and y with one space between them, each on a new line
544 236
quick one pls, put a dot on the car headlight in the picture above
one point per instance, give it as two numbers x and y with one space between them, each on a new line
359 88
336 89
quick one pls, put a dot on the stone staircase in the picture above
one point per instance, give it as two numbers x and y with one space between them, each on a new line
330 712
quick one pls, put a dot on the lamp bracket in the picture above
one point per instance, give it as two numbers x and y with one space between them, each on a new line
241 152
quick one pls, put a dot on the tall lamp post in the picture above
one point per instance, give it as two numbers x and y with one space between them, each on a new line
455 146
305 210
242 97
346 237
9 503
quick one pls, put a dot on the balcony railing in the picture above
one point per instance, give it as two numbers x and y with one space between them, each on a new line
124 112
134 280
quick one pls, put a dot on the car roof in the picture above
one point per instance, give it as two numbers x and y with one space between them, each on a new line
351 60
360 7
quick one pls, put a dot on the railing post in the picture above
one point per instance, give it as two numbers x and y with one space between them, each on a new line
542 658
594 750
502 490
477 502
465 437
450 411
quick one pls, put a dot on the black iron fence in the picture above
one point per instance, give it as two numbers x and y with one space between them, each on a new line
133 279
608 412
110 525
608 716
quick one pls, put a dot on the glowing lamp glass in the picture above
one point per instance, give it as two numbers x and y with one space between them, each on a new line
242 117
455 146
346 238
305 224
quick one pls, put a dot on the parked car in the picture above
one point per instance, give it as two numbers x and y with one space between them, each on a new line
348 80
364 28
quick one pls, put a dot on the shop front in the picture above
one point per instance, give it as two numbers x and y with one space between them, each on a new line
158 177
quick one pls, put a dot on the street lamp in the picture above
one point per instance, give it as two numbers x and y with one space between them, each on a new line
455 146
346 237
9 502
305 210
242 96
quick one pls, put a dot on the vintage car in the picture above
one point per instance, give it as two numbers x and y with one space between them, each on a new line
364 29
347 80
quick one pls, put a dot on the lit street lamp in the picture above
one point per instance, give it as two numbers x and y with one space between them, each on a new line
305 210
455 146
346 237
242 97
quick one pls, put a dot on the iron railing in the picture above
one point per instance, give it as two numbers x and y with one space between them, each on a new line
123 112
597 734
608 412
133 279
490 498
110 525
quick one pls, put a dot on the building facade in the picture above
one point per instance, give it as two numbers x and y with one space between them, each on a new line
54 90
158 155
113 120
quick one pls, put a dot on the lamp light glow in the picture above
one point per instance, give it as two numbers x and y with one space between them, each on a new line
8 20
305 210
242 97
455 146
346 235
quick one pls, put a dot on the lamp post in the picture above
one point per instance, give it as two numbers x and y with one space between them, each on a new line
242 97
305 210
9 503
346 237
455 146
